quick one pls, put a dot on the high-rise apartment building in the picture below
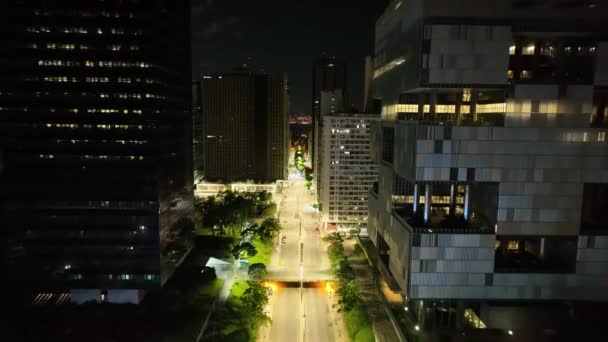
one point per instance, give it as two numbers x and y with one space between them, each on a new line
493 156
347 169
95 130
245 126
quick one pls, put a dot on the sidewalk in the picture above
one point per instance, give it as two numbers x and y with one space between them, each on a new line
382 325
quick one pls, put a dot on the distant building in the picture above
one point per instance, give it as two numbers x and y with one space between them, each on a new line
197 130
347 169
245 129
492 150
95 130
331 102
329 76
367 85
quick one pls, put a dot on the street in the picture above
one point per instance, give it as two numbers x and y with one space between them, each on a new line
300 314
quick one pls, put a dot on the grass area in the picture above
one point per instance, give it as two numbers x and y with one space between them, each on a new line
237 325
358 325
264 249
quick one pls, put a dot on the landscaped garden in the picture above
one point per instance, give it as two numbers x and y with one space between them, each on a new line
356 317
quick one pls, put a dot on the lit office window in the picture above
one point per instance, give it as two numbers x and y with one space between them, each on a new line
528 50
525 74
512 50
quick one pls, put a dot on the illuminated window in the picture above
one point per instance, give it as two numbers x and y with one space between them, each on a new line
512 245
466 95
510 74
548 50
528 50
445 109
512 50
491 108
525 74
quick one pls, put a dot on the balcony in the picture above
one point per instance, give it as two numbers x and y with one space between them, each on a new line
533 254
443 223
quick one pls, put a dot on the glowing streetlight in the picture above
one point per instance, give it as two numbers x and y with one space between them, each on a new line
510 332
417 327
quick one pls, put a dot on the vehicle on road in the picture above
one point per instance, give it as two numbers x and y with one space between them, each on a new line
284 239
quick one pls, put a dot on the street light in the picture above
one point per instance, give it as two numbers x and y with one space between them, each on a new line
510 332
417 327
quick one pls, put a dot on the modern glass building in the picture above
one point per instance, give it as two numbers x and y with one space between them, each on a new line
95 134
492 157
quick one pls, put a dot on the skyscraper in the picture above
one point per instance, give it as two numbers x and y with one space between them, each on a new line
493 156
95 130
329 77
197 129
347 169
245 126
328 74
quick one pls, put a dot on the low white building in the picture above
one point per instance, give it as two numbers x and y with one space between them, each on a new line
347 169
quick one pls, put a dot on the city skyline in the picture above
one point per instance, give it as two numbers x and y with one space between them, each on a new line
243 32
314 171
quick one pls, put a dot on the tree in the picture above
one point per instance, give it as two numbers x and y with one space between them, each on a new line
183 229
269 210
269 229
244 250
252 229
344 271
254 300
349 296
257 271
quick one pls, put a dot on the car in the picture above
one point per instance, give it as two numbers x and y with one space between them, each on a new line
284 239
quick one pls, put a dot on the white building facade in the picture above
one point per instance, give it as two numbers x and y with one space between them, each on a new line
347 169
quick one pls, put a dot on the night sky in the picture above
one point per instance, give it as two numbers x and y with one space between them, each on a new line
285 36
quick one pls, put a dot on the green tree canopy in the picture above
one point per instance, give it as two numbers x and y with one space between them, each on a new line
269 229
244 250
257 271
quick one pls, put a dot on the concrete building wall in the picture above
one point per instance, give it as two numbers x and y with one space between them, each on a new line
347 168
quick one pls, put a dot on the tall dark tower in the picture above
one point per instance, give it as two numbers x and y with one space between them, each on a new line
328 76
245 126
95 134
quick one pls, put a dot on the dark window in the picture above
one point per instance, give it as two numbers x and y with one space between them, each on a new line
535 254
489 279
416 240
388 140
453 174
447 133
438 146
594 214
470 175
535 106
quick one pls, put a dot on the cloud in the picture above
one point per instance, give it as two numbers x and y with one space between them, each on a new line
217 27
201 5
